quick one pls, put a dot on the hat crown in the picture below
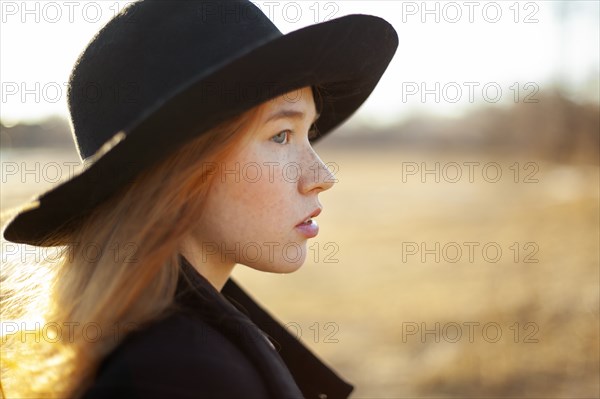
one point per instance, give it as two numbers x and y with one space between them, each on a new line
150 51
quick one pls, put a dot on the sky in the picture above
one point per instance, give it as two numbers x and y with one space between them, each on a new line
452 55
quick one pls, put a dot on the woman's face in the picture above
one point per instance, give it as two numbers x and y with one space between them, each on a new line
263 194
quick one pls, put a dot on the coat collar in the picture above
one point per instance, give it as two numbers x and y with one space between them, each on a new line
261 337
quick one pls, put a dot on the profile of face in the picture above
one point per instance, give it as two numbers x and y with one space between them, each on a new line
260 209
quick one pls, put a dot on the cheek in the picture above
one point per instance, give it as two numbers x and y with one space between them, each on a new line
267 199
253 202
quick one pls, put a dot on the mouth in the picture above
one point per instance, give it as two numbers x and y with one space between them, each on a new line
309 219
308 227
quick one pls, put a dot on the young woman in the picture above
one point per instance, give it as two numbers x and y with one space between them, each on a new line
207 164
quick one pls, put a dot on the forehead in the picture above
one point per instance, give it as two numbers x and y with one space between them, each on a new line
300 100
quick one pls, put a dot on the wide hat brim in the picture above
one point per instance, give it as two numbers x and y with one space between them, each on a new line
346 56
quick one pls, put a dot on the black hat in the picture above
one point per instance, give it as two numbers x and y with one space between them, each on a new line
160 72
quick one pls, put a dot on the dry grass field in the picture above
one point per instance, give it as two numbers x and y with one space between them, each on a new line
416 288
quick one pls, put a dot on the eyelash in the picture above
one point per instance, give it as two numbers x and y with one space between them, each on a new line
312 134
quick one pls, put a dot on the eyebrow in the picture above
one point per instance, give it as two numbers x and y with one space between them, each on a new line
289 113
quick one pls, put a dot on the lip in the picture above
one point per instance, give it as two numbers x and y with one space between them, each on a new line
309 230
314 214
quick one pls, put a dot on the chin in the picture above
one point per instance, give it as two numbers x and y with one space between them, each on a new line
279 264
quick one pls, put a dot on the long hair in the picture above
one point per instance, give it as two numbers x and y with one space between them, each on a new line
65 310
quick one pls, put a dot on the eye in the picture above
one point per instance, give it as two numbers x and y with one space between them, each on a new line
282 137
313 133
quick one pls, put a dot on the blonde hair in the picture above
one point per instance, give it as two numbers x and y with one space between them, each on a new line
62 315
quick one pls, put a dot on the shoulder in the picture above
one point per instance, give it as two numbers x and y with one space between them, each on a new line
179 356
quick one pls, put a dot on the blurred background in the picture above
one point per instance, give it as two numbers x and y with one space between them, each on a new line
459 250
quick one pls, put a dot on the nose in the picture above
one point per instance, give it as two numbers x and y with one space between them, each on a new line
316 176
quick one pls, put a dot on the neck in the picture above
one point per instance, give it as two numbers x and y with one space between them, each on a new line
212 268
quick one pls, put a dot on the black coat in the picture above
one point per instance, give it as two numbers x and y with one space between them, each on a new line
214 345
